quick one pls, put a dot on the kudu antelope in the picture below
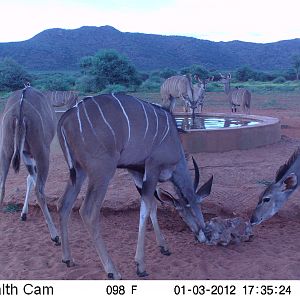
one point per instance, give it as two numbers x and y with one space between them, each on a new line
199 92
62 98
107 132
236 96
28 127
180 86
276 195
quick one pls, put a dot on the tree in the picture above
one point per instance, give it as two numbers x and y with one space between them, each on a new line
244 74
12 75
108 67
296 65
167 72
195 70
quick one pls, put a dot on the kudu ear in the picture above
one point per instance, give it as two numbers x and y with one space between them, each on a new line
205 189
291 182
164 196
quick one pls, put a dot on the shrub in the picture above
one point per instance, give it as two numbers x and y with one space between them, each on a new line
279 79
12 75
114 88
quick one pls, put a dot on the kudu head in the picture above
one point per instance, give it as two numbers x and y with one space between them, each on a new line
200 87
225 79
276 194
187 208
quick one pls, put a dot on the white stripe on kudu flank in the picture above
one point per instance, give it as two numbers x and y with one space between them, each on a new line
78 117
86 114
168 127
146 116
69 159
156 124
105 121
123 110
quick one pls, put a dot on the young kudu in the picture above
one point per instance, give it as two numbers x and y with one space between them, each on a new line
107 132
276 195
199 92
236 96
28 127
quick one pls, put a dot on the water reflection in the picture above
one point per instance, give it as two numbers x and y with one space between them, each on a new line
205 122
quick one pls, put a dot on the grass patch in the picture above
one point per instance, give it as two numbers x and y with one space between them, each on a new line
12 208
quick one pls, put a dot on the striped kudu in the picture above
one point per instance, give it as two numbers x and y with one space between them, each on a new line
28 127
62 98
180 86
199 92
107 132
236 96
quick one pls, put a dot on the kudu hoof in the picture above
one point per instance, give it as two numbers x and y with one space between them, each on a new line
164 251
56 241
111 276
142 274
69 263
23 217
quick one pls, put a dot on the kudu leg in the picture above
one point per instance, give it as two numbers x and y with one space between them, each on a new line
31 181
42 164
4 167
65 204
149 184
90 213
164 249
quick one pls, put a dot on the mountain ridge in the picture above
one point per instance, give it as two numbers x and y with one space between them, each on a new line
61 49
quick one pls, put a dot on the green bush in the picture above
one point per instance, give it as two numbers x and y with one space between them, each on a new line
109 67
86 84
54 81
12 75
279 79
114 88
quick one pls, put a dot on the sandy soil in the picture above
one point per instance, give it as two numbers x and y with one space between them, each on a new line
26 251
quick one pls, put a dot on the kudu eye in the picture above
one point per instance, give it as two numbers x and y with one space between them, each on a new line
266 199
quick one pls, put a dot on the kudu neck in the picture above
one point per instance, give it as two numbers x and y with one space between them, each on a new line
227 87
182 180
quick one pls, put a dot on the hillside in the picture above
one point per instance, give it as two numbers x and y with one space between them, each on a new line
61 49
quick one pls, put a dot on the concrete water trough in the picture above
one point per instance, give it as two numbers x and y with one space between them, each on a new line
224 132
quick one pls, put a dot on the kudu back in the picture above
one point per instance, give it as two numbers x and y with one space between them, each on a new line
28 127
107 132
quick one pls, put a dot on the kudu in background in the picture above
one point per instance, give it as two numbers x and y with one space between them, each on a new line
62 98
236 96
28 127
276 195
180 86
199 92
107 132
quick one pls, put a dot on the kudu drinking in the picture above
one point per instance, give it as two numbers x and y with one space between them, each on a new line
236 96
28 127
180 86
107 132
276 194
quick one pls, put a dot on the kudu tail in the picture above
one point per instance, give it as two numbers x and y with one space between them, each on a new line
19 136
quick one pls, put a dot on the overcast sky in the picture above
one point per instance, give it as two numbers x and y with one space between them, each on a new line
259 21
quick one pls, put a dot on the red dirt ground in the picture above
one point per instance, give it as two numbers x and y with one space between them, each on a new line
26 251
